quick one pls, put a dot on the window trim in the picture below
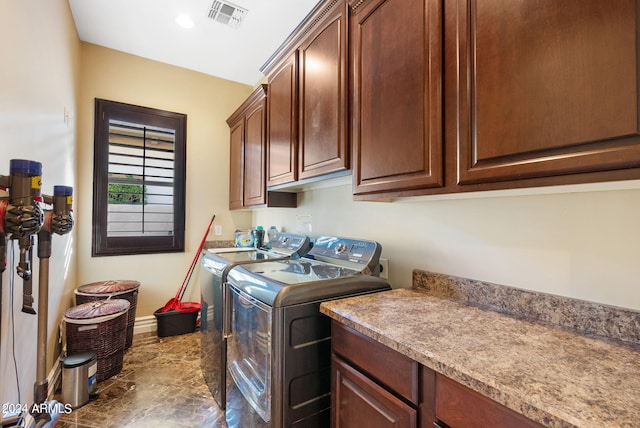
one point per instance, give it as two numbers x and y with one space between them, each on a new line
102 245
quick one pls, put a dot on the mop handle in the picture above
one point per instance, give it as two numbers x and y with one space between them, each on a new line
195 259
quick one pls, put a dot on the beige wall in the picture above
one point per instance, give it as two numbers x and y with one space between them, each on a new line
39 71
207 101
578 244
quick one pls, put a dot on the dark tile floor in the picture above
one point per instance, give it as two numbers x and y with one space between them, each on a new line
160 385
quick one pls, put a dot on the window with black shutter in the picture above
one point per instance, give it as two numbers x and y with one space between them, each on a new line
139 180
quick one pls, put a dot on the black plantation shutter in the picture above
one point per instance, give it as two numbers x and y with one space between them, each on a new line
139 180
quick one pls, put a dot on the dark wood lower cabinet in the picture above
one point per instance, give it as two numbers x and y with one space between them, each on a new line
373 386
459 406
391 369
360 402
428 398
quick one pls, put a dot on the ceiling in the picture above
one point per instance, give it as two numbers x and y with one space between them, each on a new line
147 28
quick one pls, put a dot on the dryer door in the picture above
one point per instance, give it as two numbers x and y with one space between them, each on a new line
249 350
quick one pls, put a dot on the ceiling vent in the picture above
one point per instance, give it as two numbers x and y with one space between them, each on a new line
227 13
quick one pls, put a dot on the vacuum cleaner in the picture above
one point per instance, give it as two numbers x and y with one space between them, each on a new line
21 217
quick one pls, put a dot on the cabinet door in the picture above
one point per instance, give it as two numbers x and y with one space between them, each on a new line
460 407
282 128
428 398
236 166
254 155
358 402
396 49
323 96
542 87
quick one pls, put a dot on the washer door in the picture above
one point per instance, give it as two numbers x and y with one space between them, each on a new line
249 351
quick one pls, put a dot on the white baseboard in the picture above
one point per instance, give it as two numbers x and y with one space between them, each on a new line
146 324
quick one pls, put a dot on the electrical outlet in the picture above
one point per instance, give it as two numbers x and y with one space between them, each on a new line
384 268
217 229
304 223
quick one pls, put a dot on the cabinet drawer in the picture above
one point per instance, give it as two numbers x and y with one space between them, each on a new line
459 406
392 369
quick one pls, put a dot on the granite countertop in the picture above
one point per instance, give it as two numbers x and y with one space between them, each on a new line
218 244
554 376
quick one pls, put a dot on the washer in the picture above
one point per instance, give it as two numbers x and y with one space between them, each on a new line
216 263
279 344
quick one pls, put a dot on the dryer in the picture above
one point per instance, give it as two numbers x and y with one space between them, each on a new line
279 344
216 263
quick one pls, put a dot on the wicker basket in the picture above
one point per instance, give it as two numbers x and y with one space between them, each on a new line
121 289
101 327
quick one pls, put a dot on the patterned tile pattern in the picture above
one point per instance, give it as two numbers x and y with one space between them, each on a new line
160 385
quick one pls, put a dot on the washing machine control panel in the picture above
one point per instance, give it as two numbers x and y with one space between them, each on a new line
290 244
353 251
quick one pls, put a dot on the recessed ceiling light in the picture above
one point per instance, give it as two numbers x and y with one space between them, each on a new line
185 21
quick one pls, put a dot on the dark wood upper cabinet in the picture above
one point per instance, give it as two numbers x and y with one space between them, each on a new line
396 88
445 96
255 144
236 164
542 88
323 143
308 105
247 125
248 145
282 139
452 96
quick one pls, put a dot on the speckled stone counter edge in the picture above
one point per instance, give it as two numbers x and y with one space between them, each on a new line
588 318
219 244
